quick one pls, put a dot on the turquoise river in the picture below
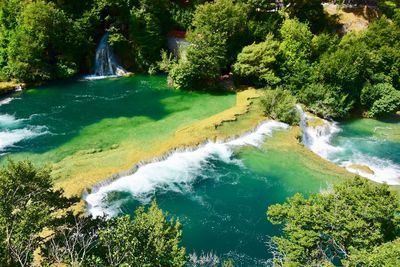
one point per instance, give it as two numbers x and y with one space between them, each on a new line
220 191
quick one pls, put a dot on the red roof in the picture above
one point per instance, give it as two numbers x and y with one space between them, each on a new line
177 34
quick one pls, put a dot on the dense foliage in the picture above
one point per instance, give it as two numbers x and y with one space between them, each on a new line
43 40
265 43
35 216
357 223
27 206
280 105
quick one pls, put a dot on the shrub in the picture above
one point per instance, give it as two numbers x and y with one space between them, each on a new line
325 100
280 105
380 99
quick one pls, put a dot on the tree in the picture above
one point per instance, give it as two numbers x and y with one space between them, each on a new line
9 10
225 17
356 216
326 100
27 205
148 29
308 11
73 242
40 47
380 99
280 105
347 67
295 54
199 68
215 41
263 18
387 254
256 63
149 240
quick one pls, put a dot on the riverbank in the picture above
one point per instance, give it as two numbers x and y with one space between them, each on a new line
85 169
9 87
81 172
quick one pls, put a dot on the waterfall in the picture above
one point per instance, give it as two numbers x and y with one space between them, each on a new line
175 171
106 65
348 153
318 137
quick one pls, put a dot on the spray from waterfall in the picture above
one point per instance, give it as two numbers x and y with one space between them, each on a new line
319 139
175 172
106 64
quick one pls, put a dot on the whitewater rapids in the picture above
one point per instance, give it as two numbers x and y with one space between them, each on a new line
13 130
175 172
319 140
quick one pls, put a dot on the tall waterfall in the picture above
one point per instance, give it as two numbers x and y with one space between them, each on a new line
106 64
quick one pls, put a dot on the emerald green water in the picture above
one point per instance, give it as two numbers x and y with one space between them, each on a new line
63 118
220 192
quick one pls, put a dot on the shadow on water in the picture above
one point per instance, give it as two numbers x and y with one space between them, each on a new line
65 108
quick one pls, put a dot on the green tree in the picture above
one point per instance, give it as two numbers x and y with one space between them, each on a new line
387 254
326 100
263 18
380 99
355 216
280 105
148 30
27 205
149 240
40 47
295 54
347 67
198 69
308 11
9 11
225 17
256 63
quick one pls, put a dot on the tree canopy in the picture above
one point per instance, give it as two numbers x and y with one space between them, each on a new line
350 224
35 217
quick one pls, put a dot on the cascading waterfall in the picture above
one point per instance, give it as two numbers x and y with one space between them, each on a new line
106 64
318 138
175 173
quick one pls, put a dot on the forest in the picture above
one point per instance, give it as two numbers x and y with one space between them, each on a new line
289 45
292 50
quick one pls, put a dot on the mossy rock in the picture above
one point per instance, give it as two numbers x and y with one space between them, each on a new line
362 168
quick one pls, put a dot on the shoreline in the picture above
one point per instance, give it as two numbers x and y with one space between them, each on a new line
227 125
191 136
7 88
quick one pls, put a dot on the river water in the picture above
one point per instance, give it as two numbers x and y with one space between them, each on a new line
219 191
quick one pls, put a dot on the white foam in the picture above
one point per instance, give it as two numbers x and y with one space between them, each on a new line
95 77
175 172
385 171
7 120
318 139
5 101
10 137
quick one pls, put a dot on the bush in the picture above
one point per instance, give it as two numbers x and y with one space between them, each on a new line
280 105
255 64
356 216
326 100
198 69
380 99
